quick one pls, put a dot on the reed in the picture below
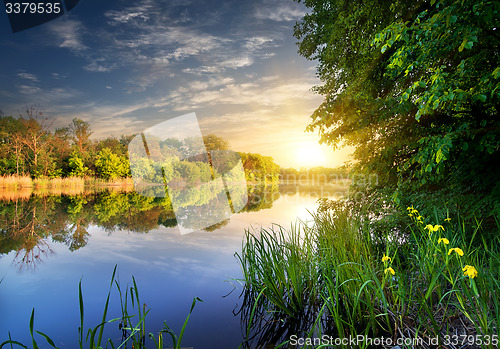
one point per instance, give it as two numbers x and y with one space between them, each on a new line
132 325
67 182
434 281
15 182
9 194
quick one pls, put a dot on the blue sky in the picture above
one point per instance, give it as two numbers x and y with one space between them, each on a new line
125 66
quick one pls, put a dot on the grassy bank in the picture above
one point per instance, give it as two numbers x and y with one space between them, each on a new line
436 280
15 187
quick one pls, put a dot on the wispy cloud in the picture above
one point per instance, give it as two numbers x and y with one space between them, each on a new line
28 89
269 91
280 11
27 76
68 33
96 67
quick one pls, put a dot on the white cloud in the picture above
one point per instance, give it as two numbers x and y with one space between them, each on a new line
95 67
58 76
28 89
68 33
139 12
266 92
27 76
280 11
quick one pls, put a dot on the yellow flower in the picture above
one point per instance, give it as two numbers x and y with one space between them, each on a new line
447 219
409 214
420 218
470 271
411 210
386 258
444 240
457 250
436 227
389 270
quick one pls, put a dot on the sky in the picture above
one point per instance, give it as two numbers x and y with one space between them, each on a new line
126 66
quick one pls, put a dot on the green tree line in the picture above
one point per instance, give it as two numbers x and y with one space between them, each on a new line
29 147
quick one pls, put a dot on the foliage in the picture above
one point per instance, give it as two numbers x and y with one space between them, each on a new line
259 168
28 147
77 166
415 87
79 132
111 166
428 283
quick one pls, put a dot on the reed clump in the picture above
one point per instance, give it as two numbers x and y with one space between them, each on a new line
435 280
15 182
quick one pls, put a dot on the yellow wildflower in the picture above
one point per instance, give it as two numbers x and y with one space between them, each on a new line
386 258
419 218
457 250
444 240
436 227
389 270
412 210
470 271
409 214
447 219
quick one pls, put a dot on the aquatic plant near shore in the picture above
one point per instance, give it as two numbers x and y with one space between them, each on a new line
414 287
132 332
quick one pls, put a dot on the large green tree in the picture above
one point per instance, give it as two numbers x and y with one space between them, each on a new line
415 87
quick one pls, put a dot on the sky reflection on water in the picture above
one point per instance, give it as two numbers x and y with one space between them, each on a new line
170 270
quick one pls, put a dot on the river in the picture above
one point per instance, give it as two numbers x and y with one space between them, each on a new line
51 242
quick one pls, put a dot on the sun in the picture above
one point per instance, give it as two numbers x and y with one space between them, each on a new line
309 154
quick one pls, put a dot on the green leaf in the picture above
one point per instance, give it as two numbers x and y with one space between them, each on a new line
496 73
49 340
461 48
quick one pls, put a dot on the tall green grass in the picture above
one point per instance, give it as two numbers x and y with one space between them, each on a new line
131 322
415 284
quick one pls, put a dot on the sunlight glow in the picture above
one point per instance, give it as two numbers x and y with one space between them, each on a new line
309 154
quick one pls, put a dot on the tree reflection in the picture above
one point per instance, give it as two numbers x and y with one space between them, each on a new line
29 223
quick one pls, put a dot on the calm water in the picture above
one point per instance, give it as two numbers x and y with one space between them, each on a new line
48 243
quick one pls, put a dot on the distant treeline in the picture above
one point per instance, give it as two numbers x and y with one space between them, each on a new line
28 147
316 174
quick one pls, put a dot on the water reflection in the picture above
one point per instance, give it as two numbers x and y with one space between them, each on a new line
28 220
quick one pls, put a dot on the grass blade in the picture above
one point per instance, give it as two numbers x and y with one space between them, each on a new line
49 340
32 321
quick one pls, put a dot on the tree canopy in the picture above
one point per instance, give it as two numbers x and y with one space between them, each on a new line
415 87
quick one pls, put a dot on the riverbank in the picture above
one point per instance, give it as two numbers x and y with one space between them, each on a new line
22 187
23 182
434 282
